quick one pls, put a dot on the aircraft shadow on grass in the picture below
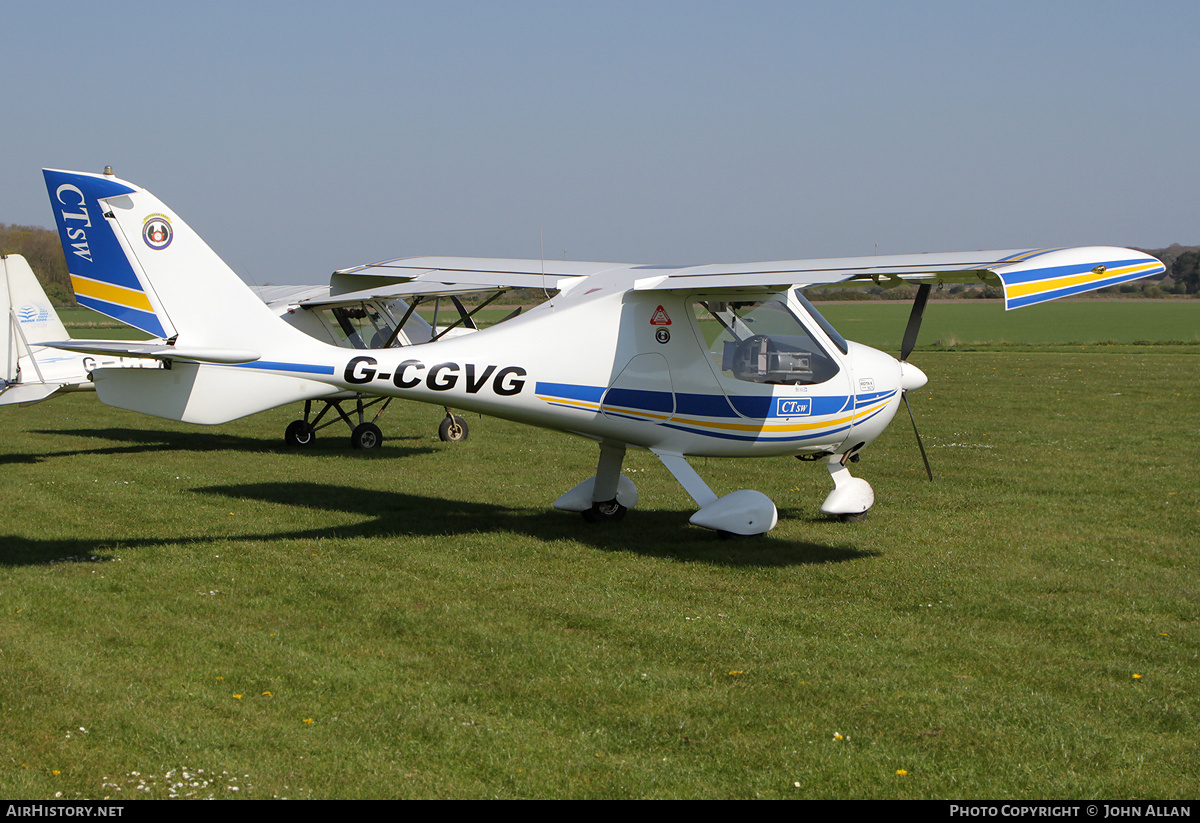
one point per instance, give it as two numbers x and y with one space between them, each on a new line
137 441
648 532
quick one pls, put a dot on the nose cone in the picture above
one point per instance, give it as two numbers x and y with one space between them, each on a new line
911 377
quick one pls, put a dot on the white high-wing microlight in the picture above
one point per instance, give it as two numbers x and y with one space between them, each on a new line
717 361
31 371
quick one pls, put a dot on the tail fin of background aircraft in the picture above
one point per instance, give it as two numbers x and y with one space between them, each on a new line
29 372
132 258
29 318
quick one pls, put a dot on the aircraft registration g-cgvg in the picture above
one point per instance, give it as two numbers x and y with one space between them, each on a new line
714 361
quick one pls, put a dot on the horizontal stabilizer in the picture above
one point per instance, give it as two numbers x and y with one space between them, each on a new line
26 393
202 393
157 351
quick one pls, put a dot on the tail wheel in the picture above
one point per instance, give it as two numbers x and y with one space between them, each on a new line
366 436
453 429
299 433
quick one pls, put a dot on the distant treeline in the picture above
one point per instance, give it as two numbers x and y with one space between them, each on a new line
42 249
1181 278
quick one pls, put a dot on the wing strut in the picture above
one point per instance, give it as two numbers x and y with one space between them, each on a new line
464 317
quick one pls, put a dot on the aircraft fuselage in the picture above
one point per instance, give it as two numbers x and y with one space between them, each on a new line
639 368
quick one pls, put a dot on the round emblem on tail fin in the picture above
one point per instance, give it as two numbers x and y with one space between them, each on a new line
156 231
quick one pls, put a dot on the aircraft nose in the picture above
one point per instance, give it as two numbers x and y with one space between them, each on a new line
911 377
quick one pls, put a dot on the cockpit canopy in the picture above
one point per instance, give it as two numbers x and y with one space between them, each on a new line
762 342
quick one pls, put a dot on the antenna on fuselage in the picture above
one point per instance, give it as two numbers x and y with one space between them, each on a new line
542 253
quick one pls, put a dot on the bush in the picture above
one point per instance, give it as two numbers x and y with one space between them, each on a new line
43 250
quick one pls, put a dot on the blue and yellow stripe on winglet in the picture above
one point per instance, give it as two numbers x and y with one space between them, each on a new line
1027 285
1069 280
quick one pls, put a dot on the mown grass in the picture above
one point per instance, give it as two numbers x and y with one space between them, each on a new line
1062 325
418 622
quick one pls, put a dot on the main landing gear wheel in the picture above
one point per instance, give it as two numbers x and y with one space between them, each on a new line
299 433
608 512
366 436
363 435
453 429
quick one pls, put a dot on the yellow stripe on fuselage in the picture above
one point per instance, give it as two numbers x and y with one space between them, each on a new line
566 401
109 293
789 428
786 428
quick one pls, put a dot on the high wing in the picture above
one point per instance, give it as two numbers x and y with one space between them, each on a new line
1027 276
452 275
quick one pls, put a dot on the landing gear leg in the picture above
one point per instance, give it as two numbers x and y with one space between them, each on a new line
363 435
606 496
605 506
744 512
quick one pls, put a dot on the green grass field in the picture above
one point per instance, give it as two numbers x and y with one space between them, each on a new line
973 324
189 611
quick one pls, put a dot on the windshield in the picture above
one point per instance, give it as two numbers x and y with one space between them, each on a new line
762 342
825 325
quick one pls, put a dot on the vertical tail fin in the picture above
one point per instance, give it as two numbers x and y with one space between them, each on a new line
134 259
29 372
30 318
101 275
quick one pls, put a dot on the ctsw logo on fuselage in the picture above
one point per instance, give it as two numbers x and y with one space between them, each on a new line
792 407
409 374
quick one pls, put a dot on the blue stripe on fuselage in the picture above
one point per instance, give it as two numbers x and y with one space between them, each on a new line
274 365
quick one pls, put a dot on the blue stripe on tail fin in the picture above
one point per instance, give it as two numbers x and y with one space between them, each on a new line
101 274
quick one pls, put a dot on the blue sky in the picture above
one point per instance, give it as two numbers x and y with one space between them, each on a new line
302 137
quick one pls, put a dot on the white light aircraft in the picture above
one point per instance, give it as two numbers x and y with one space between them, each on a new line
718 360
360 322
31 371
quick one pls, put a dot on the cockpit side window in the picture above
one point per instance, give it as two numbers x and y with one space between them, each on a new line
762 342
361 327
